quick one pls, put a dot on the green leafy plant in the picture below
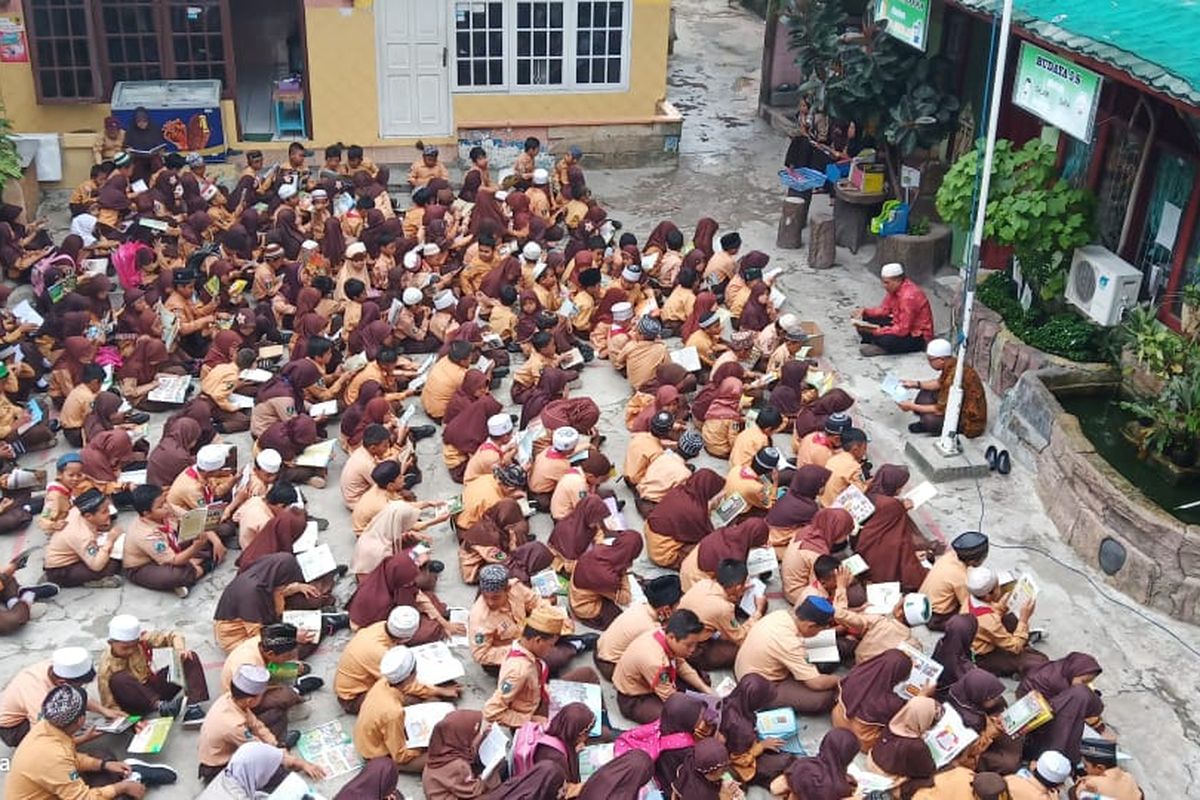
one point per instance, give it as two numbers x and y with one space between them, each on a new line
10 162
1172 417
919 226
813 39
1063 333
1154 346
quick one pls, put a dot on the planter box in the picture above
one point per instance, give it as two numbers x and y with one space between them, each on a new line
922 256
816 339
1138 381
1001 358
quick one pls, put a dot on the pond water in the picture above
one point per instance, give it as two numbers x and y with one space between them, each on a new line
1101 420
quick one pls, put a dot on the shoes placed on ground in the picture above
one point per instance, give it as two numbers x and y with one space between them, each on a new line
871 350
322 523
916 427
337 621
170 708
499 372
419 432
341 570
152 774
41 591
307 684
181 592
137 417
512 347
107 582
291 739
582 642
193 717
435 566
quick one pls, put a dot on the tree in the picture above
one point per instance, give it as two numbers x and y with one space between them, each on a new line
10 162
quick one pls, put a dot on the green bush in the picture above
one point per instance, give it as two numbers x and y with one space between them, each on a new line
1064 334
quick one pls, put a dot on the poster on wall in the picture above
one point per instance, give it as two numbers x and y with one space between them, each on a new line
907 20
14 46
1057 91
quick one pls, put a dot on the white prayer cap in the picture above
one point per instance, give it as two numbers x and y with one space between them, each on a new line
430 249
981 581
499 425
319 194
211 456
309 244
209 192
1054 767
71 663
402 622
124 628
397 664
632 273
532 251
411 296
789 323
565 439
269 461
444 299
939 348
252 679
356 249
540 177
917 610
287 191
892 270
622 311
412 259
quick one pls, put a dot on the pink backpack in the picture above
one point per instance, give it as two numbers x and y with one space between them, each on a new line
647 739
526 742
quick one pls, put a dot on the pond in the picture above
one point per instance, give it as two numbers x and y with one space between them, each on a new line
1102 420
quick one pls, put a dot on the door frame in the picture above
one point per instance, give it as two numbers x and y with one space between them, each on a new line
380 72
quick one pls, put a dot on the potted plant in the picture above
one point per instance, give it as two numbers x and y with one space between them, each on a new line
1189 314
10 162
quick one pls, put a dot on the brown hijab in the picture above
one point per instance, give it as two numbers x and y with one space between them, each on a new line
867 691
174 453
106 454
799 505
829 527
573 534
149 353
249 597
277 536
732 542
683 513
603 567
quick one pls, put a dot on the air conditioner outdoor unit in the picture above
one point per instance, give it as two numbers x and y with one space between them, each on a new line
1102 285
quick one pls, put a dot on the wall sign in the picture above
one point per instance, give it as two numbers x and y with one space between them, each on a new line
1056 90
907 20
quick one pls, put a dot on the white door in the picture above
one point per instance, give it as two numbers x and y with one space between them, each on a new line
414 77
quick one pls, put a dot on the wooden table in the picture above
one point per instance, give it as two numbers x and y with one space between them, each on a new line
852 214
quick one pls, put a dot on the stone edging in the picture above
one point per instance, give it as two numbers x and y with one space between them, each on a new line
1001 358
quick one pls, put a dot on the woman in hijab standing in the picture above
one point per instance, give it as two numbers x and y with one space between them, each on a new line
569 729
889 540
620 779
901 751
796 509
752 760
866 699
599 585
823 776
829 531
450 772
681 519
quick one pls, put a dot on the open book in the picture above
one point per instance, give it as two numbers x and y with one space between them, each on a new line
420 719
948 737
729 509
436 664
199 520
858 504
822 648
304 620
566 692
316 563
316 455
924 672
686 357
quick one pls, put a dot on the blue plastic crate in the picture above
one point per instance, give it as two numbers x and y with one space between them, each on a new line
801 179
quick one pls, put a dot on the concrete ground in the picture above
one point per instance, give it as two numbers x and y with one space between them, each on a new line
727 170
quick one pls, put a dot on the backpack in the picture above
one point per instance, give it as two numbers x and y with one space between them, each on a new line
526 742
648 739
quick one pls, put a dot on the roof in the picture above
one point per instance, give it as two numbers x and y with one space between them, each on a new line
1153 41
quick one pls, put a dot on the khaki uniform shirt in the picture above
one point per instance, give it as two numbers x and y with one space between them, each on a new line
247 652
137 664
813 450
847 471
743 481
775 650
358 666
633 622
76 406
227 727
22 698
519 689
492 633
707 599
147 543
992 635
444 379
379 729
678 305
46 766
877 633
570 490
77 542
548 469
645 668
746 445
1021 787
705 346
946 585
951 784
662 475
186 492
643 448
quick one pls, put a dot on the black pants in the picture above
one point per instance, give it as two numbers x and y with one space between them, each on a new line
889 341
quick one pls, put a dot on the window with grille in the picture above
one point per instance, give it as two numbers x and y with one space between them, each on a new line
479 43
600 42
82 48
524 45
60 38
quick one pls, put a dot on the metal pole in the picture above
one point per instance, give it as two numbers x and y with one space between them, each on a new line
948 442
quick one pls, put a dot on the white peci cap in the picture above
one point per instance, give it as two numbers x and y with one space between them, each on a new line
309 244
430 249
252 679
892 270
402 622
444 299
540 177
287 191
71 663
1053 766
124 628
269 461
397 664
565 439
622 311
532 251
981 581
939 348
211 457
499 425
411 296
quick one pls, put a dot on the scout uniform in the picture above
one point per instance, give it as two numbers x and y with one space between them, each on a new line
877 633
662 475
814 448
753 488
492 633
358 666
746 444
379 730
227 726
124 628
723 631
47 766
647 667
21 701
571 488
632 623
521 689
847 471
443 381
643 448
774 649
78 543
149 543
946 584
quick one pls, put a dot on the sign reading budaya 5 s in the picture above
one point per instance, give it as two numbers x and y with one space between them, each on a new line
1057 90
907 20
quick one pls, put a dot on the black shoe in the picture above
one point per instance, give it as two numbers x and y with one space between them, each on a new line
332 623
582 642
322 523
41 591
434 566
341 570
35 505
307 684
170 708
512 347
291 739
193 717
499 372
137 417
55 426
916 427
152 774
418 432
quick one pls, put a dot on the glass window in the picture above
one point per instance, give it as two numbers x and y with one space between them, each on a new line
60 39
539 42
479 43
131 40
599 42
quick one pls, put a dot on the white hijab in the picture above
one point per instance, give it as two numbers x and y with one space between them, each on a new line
250 769
84 227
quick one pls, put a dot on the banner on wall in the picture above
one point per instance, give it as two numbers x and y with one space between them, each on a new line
1057 91
14 46
907 20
